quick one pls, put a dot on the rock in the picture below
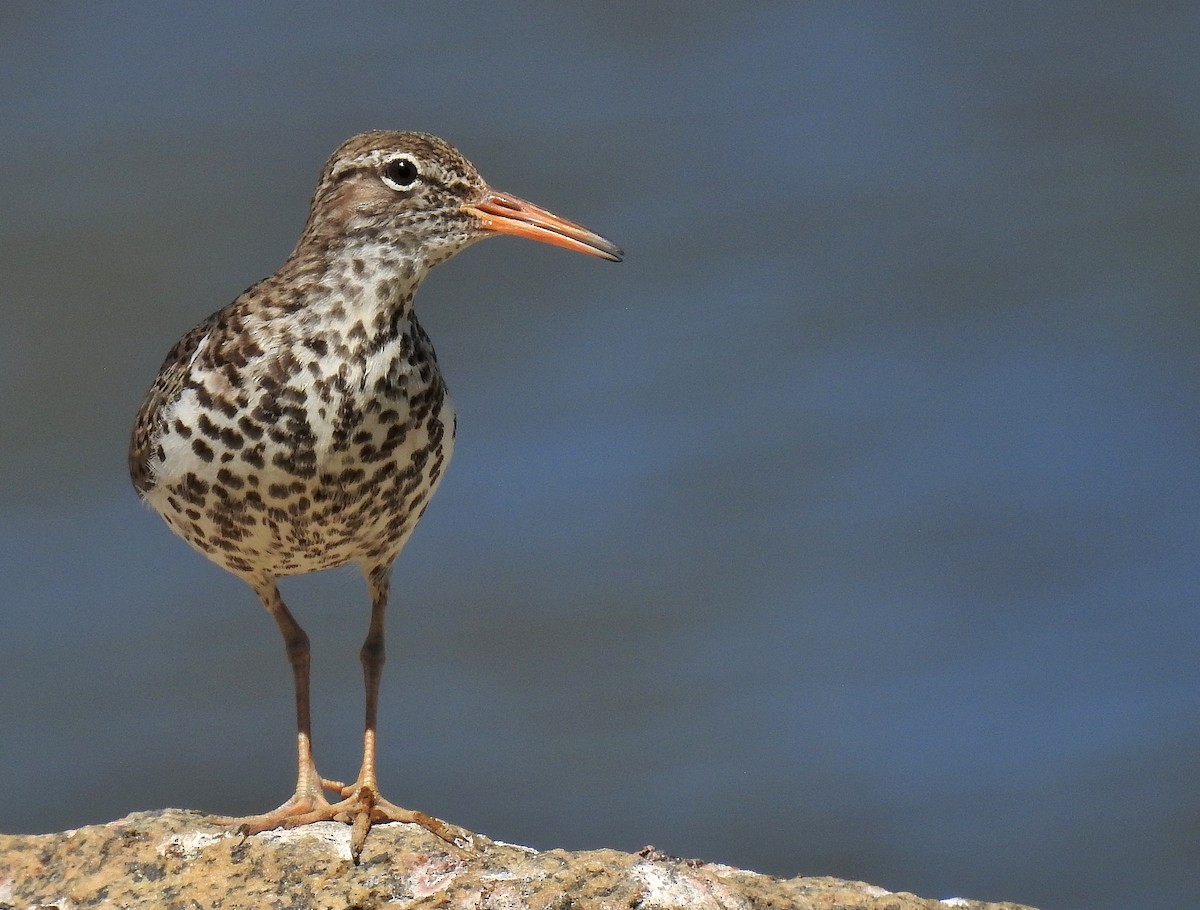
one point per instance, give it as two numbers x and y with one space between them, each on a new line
176 860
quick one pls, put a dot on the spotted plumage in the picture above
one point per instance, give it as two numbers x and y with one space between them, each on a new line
306 425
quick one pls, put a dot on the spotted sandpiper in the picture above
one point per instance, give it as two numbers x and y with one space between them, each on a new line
306 424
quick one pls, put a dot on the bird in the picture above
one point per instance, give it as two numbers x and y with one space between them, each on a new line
306 425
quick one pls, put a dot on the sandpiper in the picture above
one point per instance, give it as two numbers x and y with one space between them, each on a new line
306 424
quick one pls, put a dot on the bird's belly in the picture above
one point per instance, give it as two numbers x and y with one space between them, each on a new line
346 483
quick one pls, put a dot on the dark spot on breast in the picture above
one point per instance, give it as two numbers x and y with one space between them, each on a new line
266 412
230 479
254 456
207 427
301 462
352 476
203 398
249 427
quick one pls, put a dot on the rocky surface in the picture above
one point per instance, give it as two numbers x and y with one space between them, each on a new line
177 860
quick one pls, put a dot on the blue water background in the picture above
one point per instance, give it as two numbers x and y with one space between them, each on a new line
850 527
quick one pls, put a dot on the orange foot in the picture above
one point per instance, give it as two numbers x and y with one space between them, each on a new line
360 807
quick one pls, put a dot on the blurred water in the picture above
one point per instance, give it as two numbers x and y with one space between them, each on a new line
848 527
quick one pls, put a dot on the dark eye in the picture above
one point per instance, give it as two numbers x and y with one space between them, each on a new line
400 173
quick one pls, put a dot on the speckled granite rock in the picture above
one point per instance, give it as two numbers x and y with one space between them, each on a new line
174 860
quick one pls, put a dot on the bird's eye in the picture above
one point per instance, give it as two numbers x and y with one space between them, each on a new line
400 173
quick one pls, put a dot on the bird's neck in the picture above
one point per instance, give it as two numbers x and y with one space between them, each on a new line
352 306
356 287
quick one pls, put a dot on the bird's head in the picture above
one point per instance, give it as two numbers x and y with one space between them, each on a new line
418 197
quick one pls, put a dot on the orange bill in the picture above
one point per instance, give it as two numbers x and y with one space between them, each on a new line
507 214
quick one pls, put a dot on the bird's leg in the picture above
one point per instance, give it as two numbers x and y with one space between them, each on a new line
362 799
361 805
373 655
308 803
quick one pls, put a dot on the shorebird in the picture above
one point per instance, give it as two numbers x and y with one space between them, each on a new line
306 425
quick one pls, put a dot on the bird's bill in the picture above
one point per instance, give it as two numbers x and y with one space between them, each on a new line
507 214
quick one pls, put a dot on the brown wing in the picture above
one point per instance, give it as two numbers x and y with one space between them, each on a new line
166 391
